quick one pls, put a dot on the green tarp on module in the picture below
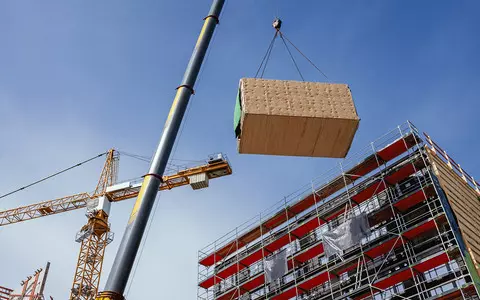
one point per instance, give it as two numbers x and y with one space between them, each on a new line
237 116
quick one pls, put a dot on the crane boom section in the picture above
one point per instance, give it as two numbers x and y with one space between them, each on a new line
44 208
213 170
119 192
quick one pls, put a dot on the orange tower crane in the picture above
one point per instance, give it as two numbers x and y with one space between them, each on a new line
96 234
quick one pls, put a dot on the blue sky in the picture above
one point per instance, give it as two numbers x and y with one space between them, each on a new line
80 77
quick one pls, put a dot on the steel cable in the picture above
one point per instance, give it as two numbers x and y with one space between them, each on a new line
53 175
296 48
266 57
291 56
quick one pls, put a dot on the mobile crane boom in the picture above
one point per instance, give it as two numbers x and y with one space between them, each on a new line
132 237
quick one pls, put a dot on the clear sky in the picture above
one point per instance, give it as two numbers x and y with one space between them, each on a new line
80 77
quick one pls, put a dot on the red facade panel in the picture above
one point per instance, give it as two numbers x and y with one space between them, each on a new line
384 248
412 200
393 279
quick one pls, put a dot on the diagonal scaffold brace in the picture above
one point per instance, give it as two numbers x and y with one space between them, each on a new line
125 258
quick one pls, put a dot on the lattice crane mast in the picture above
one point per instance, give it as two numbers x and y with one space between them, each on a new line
96 234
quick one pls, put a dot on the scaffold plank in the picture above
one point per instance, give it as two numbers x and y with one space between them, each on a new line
315 281
279 243
423 266
384 248
393 279
420 229
457 294
252 284
207 283
369 192
402 173
309 253
369 164
303 205
432 263
398 147
346 267
411 200
252 258
308 226
234 268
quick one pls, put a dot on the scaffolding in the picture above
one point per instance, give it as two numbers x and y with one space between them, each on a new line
414 249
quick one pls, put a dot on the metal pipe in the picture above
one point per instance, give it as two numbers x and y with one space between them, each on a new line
122 266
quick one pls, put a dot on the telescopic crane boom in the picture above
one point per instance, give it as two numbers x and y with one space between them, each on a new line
132 237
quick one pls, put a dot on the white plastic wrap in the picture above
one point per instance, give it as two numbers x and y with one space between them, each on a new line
346 235
276 266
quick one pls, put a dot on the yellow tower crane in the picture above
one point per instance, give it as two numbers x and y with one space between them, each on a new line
96 234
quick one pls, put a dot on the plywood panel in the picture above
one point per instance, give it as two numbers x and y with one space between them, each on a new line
311 130
295 118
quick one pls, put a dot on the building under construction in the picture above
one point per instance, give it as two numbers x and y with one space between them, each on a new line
422 213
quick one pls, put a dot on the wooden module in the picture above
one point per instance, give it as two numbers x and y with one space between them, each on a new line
278 117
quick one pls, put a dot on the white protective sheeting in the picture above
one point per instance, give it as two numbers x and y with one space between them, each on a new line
346 235
276 266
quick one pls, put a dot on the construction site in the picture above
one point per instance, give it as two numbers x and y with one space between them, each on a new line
422 242
395 218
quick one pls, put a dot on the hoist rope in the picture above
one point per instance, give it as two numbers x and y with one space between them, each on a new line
296 48
263 65
136 156
291 56
266 57
53 175
148 158
171 167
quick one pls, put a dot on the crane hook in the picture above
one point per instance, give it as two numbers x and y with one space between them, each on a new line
277 24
